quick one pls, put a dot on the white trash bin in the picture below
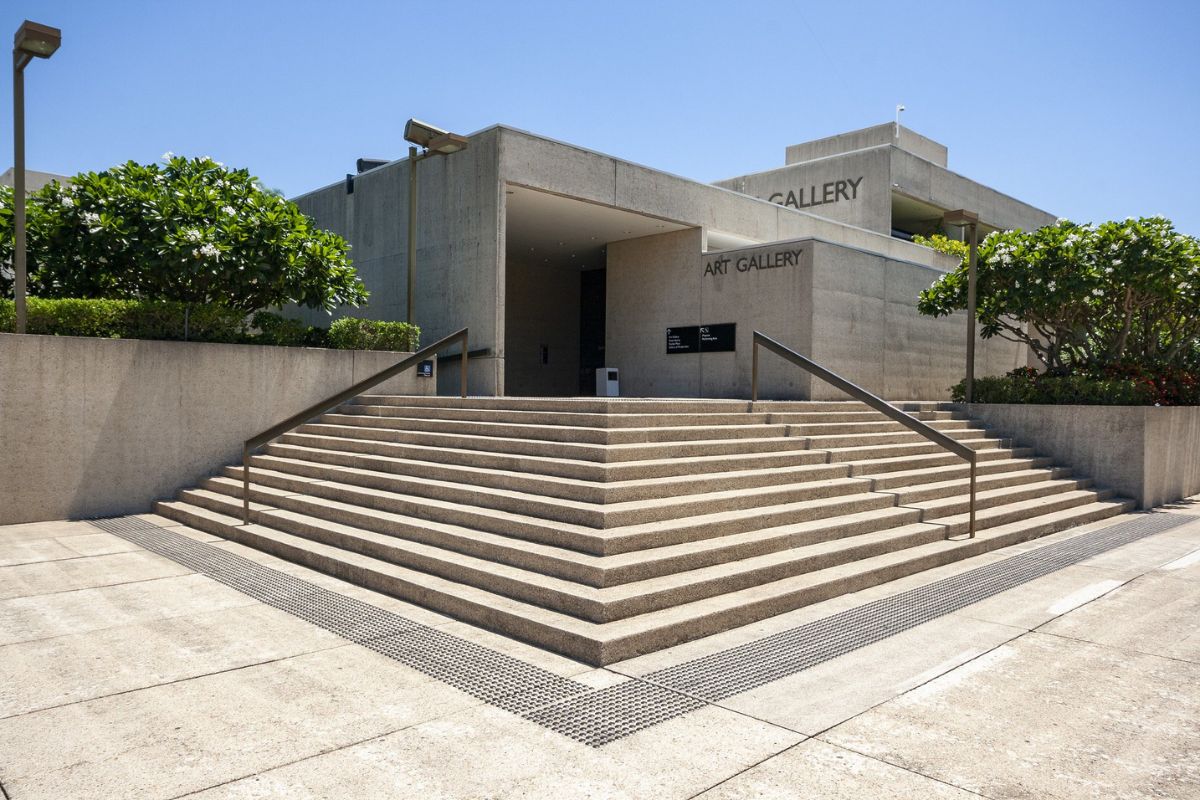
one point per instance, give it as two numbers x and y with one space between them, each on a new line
608 382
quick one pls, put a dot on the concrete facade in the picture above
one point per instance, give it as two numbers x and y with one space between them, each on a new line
99 427
507 226
886 179
1147 453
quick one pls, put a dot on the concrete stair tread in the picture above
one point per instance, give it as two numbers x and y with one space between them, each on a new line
936 475
994 516
568 418
548 465
601 492
602 643
584 568
598 515
599 604
538 431
914 493
582 538
985 497
541 447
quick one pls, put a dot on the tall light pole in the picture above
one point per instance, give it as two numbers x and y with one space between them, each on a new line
436 142
970 220
32 41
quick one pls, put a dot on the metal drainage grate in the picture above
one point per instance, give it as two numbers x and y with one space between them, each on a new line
599 716
486 674
721 675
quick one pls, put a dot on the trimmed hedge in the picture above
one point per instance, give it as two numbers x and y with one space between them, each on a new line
1118 386
126 319
158 319
349 333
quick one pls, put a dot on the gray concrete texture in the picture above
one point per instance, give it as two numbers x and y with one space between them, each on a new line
1079 685
461 271
100 427
873 136
1148 453
852 311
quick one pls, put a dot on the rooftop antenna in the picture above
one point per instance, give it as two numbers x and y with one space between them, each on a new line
899 108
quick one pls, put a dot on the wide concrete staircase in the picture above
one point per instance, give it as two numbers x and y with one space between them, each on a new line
607 528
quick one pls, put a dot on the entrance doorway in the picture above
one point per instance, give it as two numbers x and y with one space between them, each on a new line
555 303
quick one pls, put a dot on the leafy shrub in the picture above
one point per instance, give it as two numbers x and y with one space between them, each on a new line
286 332
126 319
189 230
1117 386
1083 297
349 333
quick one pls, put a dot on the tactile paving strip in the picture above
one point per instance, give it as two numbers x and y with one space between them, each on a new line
724 674
598 716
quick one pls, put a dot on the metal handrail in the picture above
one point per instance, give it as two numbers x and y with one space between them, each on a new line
862 395
336 400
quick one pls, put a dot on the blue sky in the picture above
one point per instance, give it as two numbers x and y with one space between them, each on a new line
1090 110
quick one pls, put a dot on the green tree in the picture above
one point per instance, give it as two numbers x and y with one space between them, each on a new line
1084 296
188 230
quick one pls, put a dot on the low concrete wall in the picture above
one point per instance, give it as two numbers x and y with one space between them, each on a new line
98 427
1149 454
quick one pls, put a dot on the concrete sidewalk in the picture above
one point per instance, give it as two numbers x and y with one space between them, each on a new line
126 674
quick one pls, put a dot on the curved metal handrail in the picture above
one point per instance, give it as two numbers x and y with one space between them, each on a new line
862 395
336 400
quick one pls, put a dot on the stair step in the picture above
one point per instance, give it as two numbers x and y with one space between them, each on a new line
296 475
604 528
553 449
607 642
556 433
957 469
551 486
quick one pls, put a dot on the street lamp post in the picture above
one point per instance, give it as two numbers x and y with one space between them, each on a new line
436 142
32 41
970 220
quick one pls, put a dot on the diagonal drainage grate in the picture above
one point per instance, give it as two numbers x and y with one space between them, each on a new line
724 674
599 716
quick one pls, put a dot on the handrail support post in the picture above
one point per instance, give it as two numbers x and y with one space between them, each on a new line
245 484
972 508
462 367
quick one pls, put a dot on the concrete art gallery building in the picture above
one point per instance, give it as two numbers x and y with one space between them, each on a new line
561 260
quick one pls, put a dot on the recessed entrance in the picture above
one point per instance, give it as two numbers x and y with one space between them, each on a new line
555 299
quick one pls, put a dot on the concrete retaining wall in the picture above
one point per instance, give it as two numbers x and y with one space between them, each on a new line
98 427
1146 453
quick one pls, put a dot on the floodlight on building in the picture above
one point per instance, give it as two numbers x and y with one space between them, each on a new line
436 142
32 40
899 108
969 220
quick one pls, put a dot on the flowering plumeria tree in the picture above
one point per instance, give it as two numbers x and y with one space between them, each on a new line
1084 296
189 230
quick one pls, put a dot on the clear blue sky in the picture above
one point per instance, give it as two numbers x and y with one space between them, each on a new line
1090 110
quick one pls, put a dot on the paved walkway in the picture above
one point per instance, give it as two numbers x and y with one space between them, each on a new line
125 674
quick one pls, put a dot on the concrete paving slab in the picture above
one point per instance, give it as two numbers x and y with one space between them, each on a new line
1153 614
1041 600
1185 568
67 575
31 551
27 551
82 666
1046 717
62 613
828 694
29 531
487 753
815 770
97 543
181 737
